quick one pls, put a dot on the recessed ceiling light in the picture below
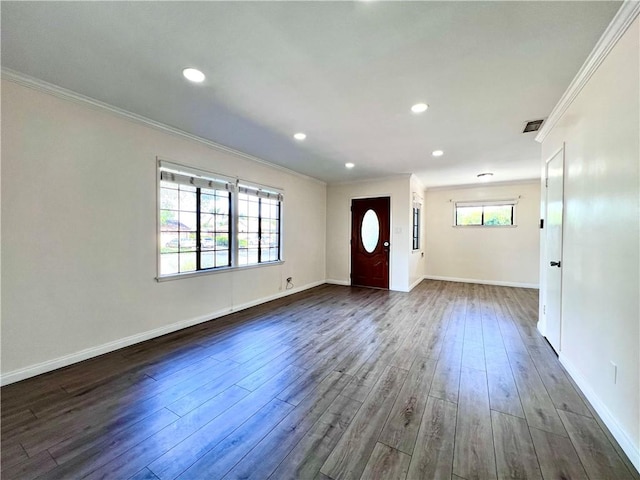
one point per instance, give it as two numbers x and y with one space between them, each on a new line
419 108
485 176
193 75
349 165
437 153
300 136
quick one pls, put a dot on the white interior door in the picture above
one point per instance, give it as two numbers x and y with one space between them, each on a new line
554 217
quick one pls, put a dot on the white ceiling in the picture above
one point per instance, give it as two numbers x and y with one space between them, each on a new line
345 73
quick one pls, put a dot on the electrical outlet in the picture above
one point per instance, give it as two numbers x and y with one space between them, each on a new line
614 372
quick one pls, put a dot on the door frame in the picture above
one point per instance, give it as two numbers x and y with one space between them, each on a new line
350 225
544 257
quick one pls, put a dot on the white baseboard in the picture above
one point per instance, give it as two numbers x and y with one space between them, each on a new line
415 284
66 360
483 282
617 430
346 283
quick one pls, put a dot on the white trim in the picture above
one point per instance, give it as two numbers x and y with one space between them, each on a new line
49 365
416 283
482 282
346 283
506 183
617 430
330 281
618 26
65 94
372 180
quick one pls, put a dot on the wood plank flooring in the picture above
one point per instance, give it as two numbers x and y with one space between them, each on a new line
450 381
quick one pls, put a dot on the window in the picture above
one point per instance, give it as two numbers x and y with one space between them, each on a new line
416 228
415 234
487 214
258 229
208 222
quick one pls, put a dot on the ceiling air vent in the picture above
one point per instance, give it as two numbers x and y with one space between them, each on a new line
532 126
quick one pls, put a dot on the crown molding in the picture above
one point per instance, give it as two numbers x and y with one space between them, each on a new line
625 16
506 183
65 94
399 176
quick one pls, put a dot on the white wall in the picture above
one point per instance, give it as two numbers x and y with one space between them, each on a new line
601 260
339 198
417 260
499 255
79 233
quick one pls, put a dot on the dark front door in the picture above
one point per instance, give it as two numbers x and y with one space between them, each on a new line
370 242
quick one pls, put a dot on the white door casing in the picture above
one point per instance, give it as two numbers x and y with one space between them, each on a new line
553 240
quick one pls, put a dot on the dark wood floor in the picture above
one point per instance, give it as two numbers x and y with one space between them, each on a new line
451 381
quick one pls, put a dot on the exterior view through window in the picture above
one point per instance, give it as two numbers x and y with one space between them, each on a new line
490 214
416 228
258 229
194 228
207 223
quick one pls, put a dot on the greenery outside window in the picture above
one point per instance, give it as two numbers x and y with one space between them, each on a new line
209 222
485 214
258 229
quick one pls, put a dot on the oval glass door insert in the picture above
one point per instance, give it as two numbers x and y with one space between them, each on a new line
370 231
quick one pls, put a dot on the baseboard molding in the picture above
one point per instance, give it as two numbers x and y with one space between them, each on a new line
415 284
346 283
483 282
87 353
618 432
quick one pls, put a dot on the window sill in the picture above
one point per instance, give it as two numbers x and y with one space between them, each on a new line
200 273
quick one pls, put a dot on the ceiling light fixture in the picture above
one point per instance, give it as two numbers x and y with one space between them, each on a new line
485 176
419 108
349 165
300 136
437 153
193 75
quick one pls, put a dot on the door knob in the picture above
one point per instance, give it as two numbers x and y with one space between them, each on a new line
555 264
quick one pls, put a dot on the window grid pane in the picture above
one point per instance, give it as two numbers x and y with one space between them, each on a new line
485 215
196 228
416 228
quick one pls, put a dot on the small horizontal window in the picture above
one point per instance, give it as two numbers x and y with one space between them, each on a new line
490 214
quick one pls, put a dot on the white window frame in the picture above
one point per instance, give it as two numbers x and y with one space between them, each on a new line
213 180
485 203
